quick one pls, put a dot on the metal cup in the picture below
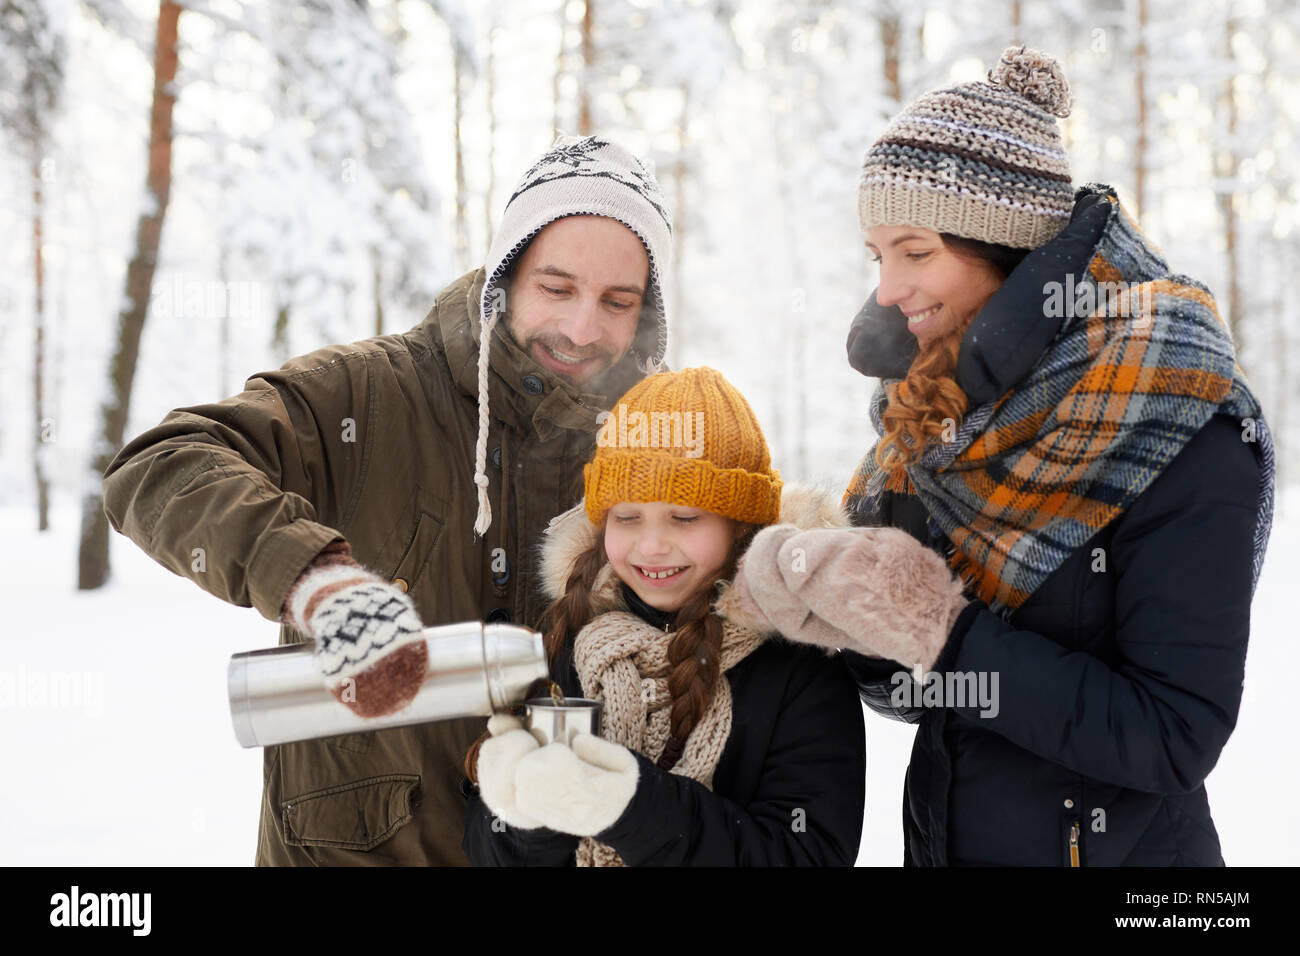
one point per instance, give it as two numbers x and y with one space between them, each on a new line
550 721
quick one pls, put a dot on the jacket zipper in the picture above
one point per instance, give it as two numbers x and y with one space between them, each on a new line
1074 843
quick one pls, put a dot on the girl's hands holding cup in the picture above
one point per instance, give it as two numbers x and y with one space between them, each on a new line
581 790
498 759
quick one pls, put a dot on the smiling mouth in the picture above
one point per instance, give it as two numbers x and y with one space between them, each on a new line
919 317
660 575
564 358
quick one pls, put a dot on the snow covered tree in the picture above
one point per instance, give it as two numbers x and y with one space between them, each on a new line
32 51
465 68
332 193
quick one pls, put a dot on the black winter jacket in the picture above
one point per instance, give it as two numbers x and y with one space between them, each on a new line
1119 680
788 789
1117 688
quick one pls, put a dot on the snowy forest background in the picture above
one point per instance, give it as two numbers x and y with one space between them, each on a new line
314 171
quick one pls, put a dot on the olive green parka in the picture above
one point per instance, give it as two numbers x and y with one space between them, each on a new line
372 443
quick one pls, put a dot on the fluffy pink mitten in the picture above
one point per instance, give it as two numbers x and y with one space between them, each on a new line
877 591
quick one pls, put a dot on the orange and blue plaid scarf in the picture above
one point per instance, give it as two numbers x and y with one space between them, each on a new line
1034 474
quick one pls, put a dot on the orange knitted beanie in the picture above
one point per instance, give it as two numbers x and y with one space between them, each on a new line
685 438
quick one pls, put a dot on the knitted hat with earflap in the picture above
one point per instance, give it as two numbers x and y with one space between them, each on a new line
577 176
685 438
979 160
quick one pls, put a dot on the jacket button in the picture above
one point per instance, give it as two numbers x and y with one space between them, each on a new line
400 584
501 577
1069 804
532 384
498 615
496 456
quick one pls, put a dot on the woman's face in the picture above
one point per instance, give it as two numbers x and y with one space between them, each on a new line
937 290
666 552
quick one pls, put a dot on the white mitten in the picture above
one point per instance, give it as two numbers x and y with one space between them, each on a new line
498 757
582 790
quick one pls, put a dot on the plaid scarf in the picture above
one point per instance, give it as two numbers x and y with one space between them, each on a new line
1034 474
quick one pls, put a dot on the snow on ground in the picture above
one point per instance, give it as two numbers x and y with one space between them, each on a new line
117 746
135 763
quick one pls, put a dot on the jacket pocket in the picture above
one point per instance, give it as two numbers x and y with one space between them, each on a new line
354 743
353 816
417 550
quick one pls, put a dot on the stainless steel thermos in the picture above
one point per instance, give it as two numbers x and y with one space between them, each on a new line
277 695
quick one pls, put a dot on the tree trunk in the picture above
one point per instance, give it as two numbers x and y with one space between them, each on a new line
920 40
280 333
891 29
43 435
680 173
462 224
1228 189
93 566
379 299
588 61
1282 344
1140 80
223 360
491 136
559 69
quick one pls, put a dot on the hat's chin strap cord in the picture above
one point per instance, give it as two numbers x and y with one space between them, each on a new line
483 520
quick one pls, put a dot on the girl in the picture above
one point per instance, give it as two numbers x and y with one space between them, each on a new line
1068 426
719 744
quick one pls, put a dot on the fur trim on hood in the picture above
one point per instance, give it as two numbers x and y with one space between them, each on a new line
570 534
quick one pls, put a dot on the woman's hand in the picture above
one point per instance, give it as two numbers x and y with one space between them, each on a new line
582 790
498 759
877 591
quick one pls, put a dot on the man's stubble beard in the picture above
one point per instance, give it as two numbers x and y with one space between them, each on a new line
596 384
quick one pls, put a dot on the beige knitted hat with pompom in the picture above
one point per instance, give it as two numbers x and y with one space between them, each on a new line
980 160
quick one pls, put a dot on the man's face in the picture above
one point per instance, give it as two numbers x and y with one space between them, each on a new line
575 299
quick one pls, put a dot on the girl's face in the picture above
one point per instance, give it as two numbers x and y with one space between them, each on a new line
666 552
938 290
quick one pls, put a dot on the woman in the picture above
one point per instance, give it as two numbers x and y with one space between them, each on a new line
1063 420
719 745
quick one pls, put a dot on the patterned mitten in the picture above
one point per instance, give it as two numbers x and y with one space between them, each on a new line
369 641
582 790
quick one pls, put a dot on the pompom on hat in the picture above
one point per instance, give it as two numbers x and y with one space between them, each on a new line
686 438
980 160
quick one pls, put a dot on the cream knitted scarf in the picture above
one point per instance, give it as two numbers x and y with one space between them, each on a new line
623 661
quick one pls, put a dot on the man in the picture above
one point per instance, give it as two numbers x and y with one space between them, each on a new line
364 491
